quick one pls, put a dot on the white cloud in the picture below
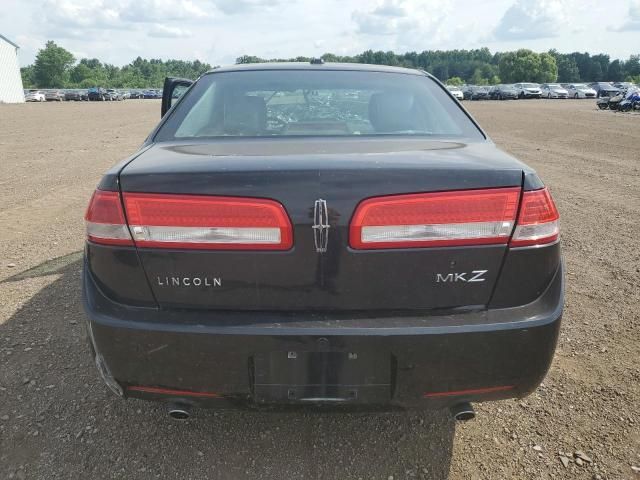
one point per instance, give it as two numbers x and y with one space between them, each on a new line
142 11
159 30
390 9
532 19
239 6
390 17
70 16
116 31
75 14
632 23
412 24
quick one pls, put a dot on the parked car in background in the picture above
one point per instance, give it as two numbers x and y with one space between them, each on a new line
135 94
113 95
528 90
503 92
631 100
152 94
610 102
54 95
456 92
73 95
475 92
604 89
97 94
553 90
623 85
35 96
580 90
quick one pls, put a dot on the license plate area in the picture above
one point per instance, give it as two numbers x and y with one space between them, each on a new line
322 377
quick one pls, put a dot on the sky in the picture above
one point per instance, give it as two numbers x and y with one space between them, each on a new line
218 31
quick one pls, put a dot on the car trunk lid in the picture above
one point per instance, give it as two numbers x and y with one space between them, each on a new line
298 173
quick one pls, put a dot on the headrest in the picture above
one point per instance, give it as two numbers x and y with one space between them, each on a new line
245 115
392 112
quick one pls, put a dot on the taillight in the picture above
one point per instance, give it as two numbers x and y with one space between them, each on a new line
105 220
207 222
464 217
538 220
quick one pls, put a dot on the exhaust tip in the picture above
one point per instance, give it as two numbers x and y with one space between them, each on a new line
463 412
179 412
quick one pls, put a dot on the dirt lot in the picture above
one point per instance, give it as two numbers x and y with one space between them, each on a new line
57 421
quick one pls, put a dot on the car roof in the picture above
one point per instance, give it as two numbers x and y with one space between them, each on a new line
329 66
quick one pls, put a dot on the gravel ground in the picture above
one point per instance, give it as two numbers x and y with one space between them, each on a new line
57 421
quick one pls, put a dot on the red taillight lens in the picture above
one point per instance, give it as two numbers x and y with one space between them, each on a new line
538 220
207 222
465 217
105 220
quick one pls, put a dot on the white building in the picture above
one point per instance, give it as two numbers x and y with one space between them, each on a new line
10 79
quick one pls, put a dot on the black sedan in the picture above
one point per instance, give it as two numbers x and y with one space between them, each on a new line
321 234
503 92
97 94
474 92
76 95
604 89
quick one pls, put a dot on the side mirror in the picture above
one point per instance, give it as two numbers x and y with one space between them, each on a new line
173 89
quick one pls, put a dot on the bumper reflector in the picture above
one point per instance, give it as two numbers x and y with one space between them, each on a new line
171 392
473 391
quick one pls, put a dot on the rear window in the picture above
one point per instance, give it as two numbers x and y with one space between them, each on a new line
274 103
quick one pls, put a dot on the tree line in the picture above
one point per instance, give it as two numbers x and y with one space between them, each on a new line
481 67
56 67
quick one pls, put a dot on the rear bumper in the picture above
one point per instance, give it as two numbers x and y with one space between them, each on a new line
220 359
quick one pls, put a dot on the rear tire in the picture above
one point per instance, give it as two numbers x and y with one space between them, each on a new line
603 106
